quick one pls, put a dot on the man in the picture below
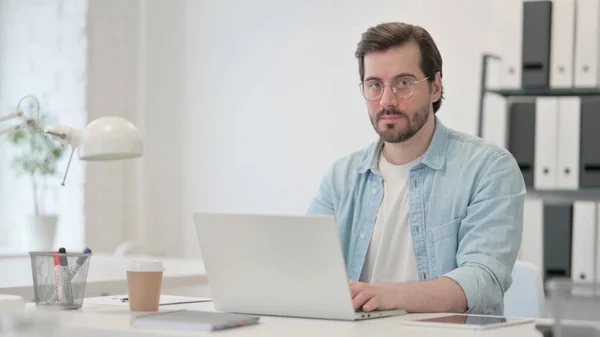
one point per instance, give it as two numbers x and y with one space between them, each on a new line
430 219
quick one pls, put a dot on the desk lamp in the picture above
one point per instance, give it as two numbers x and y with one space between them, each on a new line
106 138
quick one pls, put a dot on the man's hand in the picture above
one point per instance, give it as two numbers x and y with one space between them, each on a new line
440 295
373 296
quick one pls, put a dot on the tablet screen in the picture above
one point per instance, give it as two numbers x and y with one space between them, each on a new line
466 320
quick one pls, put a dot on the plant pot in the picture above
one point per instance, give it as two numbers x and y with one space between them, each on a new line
39 233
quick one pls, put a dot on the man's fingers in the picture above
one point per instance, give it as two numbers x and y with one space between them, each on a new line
361 298
372 304
356 287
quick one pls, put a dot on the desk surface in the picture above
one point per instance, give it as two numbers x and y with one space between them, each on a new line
98 320
106 274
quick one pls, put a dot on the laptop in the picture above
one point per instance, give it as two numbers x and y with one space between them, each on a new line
277 265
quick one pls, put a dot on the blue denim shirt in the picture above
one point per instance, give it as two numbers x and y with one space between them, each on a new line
466 212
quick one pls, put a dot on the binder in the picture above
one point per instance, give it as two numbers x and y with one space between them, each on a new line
563 44
596 251
546 132
495 122
587 43
521 137
532 244
511 44
557 240
537 18
569 121
584 234
589 166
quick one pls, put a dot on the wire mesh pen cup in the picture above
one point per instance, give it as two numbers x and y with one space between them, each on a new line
59 279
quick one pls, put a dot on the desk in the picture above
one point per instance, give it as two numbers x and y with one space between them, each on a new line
106 275
97 320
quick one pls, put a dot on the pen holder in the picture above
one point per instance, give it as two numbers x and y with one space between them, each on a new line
59 279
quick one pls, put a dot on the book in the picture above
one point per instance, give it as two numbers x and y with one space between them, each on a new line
193 320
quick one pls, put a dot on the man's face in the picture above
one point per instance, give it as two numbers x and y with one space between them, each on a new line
398 119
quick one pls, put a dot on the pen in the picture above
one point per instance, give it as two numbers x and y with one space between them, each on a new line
78 264
65 277
59 294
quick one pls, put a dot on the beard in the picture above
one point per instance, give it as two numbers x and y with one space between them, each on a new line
394 132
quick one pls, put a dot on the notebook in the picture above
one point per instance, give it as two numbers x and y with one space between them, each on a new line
193 320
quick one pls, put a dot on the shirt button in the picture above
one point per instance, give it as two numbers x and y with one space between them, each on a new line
362 236
374 191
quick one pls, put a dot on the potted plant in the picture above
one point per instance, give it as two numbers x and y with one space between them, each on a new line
36 158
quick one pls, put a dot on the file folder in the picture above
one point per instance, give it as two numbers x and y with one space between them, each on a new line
587 43
569 122
563 44
546 132
495 122
589 166
584 234
537 19
532 244
511 44
557 240
521 137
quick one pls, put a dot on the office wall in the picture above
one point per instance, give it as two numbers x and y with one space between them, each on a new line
245 105
272 96
136 60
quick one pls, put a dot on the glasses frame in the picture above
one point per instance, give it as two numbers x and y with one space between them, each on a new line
385 84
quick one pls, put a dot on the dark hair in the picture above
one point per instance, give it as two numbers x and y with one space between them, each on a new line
393 34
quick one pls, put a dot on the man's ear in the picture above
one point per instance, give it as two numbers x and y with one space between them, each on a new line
437 87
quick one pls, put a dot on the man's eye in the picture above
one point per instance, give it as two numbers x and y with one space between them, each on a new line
375 85
403 83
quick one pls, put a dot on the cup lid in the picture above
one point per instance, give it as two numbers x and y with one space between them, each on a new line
144 266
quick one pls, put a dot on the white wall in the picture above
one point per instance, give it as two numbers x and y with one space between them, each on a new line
136 70
43 53
245 105
272 96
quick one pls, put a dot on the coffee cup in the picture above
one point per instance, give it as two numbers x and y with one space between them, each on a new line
144 281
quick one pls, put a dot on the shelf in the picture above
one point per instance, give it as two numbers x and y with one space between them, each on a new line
524 92
561 196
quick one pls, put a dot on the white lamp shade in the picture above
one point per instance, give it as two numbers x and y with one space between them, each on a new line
110 138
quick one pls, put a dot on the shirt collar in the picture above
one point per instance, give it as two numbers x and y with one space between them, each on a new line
434 157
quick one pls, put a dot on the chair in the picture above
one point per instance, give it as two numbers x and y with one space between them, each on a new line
525 297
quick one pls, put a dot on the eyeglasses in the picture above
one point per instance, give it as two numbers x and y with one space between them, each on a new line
403 88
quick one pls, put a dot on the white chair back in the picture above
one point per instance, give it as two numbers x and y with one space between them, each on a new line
525 297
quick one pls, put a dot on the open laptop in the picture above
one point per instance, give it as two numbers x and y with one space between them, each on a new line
277 265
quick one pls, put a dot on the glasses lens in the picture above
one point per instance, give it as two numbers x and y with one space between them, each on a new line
372 90
403 88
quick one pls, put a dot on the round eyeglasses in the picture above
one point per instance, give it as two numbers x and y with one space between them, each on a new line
403 88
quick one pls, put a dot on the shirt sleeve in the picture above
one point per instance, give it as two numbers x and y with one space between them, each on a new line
490 235
322 203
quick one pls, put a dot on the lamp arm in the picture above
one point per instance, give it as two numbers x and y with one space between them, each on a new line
65 135
18 114
27 122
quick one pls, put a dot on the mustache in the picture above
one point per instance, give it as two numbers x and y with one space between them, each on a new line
389 112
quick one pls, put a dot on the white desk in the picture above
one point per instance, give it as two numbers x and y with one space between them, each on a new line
106 275
96 320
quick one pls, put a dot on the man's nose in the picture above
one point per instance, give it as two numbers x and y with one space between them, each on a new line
388 99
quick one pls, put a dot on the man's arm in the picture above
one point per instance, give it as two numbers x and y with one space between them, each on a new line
490 235
488 244
441 295
322 204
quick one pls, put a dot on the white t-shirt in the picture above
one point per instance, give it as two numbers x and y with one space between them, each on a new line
391 257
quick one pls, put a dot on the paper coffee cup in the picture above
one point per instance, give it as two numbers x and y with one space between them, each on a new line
144 281
145 266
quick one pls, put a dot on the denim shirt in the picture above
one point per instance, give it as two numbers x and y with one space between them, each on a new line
466 212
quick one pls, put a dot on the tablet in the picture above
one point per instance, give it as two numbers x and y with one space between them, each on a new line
472 322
